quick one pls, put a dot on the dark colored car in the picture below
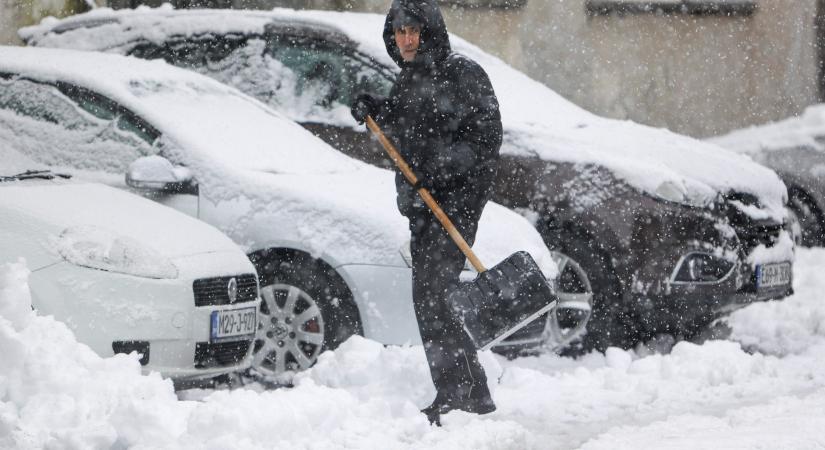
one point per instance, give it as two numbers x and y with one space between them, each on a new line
672 232
795 149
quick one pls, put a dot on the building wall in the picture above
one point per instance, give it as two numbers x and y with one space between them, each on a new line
15 14
698 75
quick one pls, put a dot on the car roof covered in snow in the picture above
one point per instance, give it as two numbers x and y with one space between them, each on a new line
537 121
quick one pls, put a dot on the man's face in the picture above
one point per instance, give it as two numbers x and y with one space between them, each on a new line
408 39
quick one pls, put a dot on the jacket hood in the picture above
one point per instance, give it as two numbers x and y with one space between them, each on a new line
435 41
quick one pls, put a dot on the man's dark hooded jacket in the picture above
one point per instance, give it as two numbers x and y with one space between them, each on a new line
443 115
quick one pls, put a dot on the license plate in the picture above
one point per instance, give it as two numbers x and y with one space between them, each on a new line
233 325
770 275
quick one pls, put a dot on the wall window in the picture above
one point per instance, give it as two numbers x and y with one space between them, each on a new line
668 7
502 4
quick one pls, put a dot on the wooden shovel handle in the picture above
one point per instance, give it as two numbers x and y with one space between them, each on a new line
428 198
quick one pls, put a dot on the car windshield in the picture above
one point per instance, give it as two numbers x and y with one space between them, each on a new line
33 174
224 125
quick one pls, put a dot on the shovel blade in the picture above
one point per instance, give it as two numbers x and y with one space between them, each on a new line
502 300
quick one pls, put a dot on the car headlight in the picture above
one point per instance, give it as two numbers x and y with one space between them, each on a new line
98 248
670 191
677 193
702 268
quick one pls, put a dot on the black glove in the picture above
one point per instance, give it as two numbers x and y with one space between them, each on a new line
363 106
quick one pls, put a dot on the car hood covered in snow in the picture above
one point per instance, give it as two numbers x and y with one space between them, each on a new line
62 214
537 121
275 182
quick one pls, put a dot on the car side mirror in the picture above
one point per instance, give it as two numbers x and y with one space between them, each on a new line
157 174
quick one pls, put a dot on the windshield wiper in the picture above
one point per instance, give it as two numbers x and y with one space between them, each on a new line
35 174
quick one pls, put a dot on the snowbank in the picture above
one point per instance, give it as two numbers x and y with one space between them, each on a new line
793 326
57 393
54 392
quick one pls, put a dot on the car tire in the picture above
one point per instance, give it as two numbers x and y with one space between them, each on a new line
609 325
809 218
305 309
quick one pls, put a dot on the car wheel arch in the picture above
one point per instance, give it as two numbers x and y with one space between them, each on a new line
335 283
608 289
803 195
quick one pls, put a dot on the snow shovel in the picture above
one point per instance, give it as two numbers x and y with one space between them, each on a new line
500 301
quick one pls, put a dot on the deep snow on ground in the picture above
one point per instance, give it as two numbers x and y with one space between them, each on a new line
56 393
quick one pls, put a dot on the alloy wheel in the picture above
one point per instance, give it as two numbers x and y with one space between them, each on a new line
569 318
290 331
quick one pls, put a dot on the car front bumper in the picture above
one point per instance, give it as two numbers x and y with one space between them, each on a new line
685 308
105 308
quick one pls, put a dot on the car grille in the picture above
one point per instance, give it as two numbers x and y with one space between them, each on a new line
220 355
215 291
751 233
754 236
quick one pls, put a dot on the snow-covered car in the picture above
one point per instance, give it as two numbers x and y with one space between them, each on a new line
672 232
795 149
126 274
322 229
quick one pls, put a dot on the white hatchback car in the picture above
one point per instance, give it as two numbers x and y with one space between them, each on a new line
322 229
126 274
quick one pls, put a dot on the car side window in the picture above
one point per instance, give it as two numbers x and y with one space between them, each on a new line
331 75
191 52
234 60
61 125
126 125
32 100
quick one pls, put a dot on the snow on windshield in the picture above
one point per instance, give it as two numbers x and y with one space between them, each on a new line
254 71
199 114
43 124
13 162
235 129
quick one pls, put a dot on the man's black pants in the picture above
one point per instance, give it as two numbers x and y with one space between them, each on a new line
436 265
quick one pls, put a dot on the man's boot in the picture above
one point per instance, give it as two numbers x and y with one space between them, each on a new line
478 401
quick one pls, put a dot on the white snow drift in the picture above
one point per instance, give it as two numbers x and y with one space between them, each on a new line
56 393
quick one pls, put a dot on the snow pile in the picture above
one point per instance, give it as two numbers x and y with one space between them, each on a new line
57 393
795 325
786 422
